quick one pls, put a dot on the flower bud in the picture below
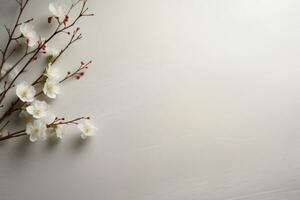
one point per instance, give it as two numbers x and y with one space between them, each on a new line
49 19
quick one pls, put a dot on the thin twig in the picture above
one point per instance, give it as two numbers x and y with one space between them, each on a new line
62 27
12 32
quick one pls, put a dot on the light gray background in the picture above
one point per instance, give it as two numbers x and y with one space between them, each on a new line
195 99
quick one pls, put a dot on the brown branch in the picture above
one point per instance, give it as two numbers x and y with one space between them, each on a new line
57 31
12 109
77 73
13 135
71 41
35 53
11 33
1 129
26 53
61 121
9 111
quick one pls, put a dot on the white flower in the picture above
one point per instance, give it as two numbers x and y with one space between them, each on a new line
87 129
36 130
31 38
38 109
51 53
52 72
26 29
25 92
51 88
58 131
58 9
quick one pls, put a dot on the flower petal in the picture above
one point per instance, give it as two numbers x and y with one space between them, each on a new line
83 136
32 138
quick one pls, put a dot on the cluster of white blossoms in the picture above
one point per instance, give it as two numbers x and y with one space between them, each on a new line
51 87
42 123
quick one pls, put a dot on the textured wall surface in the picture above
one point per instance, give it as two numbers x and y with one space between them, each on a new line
195 99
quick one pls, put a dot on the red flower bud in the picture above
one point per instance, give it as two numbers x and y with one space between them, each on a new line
66 19
49 19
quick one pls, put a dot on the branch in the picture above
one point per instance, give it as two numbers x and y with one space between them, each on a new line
13 135
12 109
57 31
11 33
62 27
77 73
27 53
61 121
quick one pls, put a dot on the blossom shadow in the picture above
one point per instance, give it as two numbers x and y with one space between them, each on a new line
78 143
23 147
52 142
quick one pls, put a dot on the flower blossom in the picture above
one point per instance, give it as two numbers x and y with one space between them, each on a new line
58 9
25 92
51 88
51 53
38 109
36 130
87 129
52 72
31 37
58 130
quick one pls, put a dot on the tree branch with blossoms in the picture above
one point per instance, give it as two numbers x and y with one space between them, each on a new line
41 122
